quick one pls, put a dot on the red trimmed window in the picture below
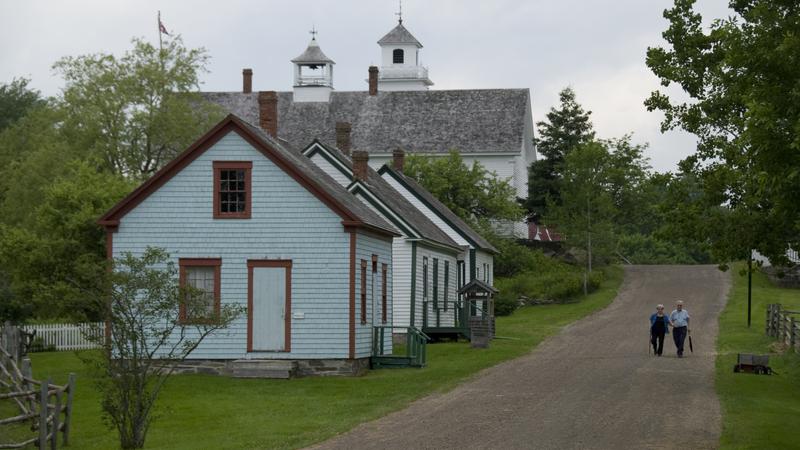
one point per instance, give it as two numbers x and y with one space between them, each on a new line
363 291
201 279
232 189
384 302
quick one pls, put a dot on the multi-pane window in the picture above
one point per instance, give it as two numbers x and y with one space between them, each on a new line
200 279
397 56
232 190
435 283
384 293
446 282
363 291
424 278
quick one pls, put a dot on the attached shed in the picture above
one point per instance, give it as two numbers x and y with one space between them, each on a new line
258 224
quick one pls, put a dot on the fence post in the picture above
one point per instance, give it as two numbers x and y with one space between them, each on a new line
792 333
68 411
43 414
56 420
769 316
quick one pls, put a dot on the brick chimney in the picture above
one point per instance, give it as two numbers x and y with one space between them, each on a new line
398 159
343 137
373 80
268 112
360 165
247 81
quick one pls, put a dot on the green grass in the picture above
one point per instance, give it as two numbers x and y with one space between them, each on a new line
198 411
759 412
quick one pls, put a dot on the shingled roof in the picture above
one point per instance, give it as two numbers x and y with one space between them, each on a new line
313 54
470 121
396 202
399 35
441 209
353 211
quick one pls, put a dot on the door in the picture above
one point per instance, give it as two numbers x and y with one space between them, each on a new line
269 306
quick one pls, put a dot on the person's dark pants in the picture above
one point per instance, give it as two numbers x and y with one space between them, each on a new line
679 335
657 339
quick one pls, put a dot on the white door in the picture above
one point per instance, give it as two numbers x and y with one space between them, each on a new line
269 308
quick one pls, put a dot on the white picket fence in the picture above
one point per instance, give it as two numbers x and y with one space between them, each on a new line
64 336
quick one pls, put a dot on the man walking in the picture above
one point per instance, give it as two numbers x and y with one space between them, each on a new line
680 326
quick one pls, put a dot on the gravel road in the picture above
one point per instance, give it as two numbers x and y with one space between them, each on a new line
593 385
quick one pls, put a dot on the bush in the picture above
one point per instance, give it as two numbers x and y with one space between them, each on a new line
544 278
641 249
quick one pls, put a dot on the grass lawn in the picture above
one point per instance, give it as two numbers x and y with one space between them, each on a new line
200 411
759 412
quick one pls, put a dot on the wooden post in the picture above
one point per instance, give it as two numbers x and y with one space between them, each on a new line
792 333
766 323
68 412
27 372
56 420
43 415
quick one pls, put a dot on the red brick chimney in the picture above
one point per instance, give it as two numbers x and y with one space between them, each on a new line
268 112
247 81
373 80
343 141
360 165
398 159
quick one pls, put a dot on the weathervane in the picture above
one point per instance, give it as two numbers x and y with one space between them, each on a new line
399 14
313 33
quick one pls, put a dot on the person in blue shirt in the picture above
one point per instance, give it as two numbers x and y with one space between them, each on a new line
680 326
659 326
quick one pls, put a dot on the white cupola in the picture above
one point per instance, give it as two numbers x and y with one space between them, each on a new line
313 74
400 69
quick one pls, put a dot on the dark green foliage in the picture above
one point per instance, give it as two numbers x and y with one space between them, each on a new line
565 128
544 279
642 249
741 77
16 100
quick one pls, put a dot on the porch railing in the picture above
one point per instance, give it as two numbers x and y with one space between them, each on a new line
416 342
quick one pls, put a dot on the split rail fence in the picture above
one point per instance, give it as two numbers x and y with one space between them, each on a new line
784 325
45 406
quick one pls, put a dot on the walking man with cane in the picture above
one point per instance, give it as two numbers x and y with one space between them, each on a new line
680 326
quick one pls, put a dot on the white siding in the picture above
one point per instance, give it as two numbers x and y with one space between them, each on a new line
446 319
287 223
401 281
482 260
329 168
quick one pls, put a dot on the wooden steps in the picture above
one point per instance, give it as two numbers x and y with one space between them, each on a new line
263 368
390 362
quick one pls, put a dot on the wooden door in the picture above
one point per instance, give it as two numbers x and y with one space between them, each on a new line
269 312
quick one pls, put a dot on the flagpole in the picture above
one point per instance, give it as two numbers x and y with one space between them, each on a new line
158 26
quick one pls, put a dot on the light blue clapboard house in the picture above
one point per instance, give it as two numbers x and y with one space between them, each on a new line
436 253
255 223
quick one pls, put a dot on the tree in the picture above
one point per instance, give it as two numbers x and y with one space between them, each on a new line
565 128
139 111
472 192
145 338
741 77
16 100
56 256
587 211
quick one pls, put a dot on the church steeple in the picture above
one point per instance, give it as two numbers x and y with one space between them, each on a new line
313 73
400 69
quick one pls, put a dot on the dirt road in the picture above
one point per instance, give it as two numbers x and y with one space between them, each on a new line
592 386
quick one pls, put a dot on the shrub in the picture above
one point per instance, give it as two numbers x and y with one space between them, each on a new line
641 249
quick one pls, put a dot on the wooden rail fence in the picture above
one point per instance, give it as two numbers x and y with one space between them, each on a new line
783 325
47 407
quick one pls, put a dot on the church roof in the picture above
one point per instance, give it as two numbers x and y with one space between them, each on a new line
470 121
313 54
399 35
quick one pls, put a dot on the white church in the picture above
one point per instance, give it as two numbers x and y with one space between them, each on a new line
398 110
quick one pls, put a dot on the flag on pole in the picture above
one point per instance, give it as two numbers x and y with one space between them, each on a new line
161 26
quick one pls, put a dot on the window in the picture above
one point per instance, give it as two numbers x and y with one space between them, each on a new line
446 282
435 283
384 300
425 278
397 56
363 291
232 190
201 279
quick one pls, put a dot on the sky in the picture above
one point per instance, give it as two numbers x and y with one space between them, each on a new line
597 47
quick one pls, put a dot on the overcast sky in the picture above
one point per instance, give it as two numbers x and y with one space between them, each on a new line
596 46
